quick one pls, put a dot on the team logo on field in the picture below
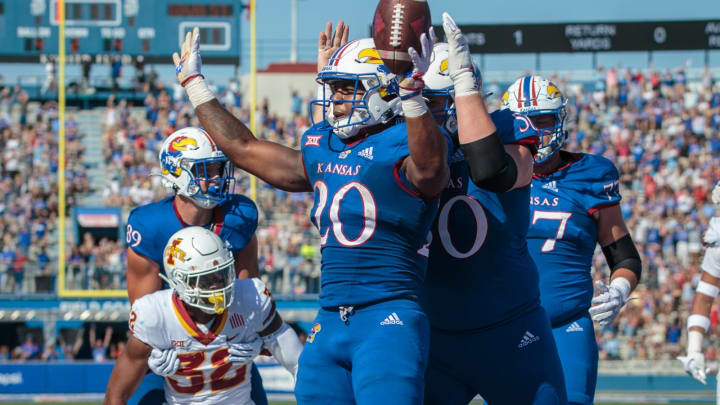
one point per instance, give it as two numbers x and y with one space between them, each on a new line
313 140
173 252
315 329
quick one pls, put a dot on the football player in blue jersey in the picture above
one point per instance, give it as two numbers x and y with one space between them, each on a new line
202 181
489 334
376 179
574 206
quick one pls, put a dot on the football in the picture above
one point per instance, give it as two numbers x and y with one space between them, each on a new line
397 26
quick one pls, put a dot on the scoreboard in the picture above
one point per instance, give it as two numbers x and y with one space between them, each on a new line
151 28
593 37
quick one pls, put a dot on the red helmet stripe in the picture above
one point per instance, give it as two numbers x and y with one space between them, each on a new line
519 95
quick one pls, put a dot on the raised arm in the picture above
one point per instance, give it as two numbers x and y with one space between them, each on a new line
276 164
493 166
426 168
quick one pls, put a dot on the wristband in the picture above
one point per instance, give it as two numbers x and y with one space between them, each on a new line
695 340
708 289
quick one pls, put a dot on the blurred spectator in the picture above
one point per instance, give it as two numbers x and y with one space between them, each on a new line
30 350
100 346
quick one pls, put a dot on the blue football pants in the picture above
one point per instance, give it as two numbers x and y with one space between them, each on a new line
377 357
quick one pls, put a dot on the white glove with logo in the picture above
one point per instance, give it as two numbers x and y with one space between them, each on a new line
163 362
694 364
460 66
187 69
411 86
245 352
612 298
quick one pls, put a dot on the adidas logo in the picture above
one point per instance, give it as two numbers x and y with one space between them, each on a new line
574 327
527 339
551 186
459 156
392 319
367 153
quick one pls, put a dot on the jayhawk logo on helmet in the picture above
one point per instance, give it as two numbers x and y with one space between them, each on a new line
444 67
182 144
369 55
552 91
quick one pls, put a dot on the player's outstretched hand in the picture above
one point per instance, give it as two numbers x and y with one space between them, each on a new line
245 352
188 62
460 66
412 83
607 305
694 364
329 42
163 362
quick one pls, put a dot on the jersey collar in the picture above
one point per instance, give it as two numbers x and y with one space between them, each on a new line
216 224
192 329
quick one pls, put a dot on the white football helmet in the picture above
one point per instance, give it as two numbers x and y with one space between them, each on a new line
188 157
359 63
439 84
534 96
200 268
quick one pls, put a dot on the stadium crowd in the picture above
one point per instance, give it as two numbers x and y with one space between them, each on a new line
661 130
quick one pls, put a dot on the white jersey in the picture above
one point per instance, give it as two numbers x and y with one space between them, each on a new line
204 376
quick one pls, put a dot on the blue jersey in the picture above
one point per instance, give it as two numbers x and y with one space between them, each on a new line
563 233
480 271
150 226
372 224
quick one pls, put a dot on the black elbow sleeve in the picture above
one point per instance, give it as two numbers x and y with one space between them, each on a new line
623 254
491 168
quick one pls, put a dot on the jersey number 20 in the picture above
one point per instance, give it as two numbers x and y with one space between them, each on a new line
369 213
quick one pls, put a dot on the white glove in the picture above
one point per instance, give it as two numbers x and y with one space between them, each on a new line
612 298
460 66
716 194
187 69
163 362
694 364
245 352
411 86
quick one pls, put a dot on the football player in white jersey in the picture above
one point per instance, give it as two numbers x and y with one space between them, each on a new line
698 323
201 326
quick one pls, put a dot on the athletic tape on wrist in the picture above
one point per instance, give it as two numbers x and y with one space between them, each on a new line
414 107
198 91
708 289
701 321
695 340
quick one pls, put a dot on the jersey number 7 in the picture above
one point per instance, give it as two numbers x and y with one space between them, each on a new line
561 216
